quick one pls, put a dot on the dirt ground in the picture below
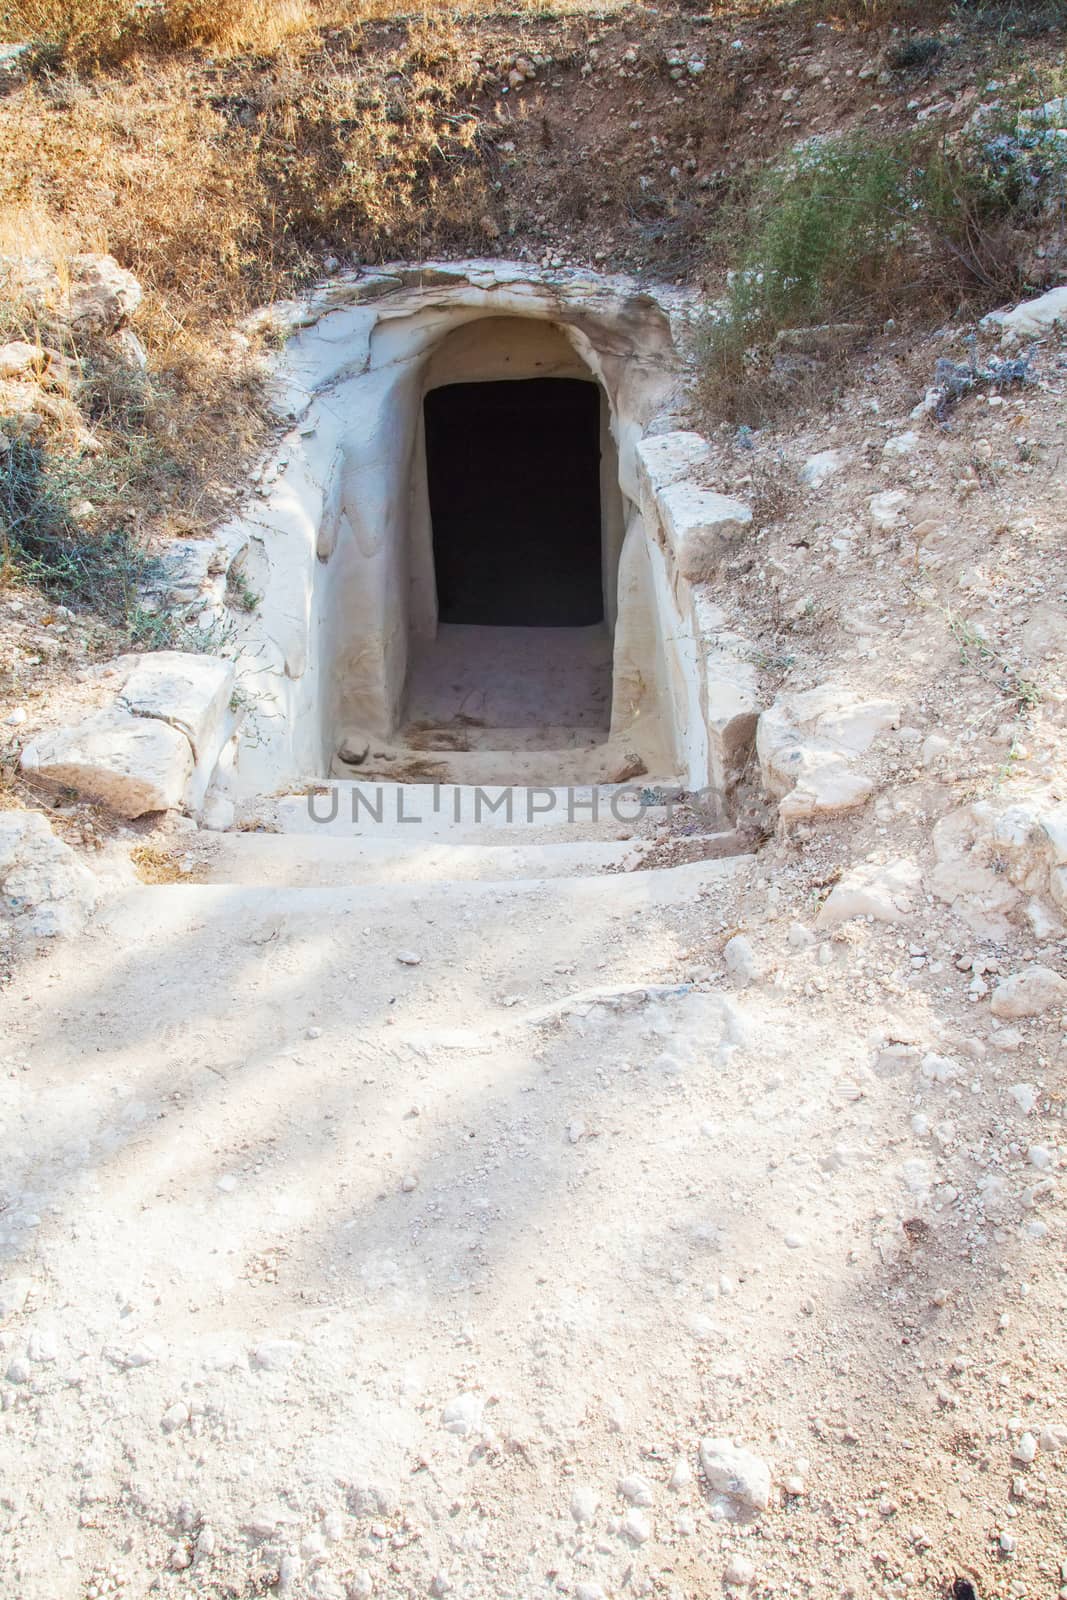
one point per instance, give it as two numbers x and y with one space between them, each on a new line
409 1238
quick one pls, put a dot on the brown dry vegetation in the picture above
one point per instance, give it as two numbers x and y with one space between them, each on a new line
228 152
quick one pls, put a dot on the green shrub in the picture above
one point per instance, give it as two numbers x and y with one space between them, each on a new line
45 539
859 228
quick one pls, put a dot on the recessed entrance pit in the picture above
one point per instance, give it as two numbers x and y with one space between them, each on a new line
522 653
482 553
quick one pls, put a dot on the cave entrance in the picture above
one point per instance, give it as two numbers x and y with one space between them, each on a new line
513 470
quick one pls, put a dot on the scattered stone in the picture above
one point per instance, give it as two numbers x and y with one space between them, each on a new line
19 1370
102 294
1031 318
1029 993
741 961
887 508
1024 1449
13 1295
901 444
584 1503
1053 1438
682 1475
818 468
274 1355
409 1183
408 958
884 892
637 1490
739 1572
463 1415
175 1417
737 1476
20 359
808 744
636 1527
44 887
42 1345
1025 1096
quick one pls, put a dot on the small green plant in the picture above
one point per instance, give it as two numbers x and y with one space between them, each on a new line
50 533
240 595
850 230
975 650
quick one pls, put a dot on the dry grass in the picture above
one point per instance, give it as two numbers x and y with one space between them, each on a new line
91 34
221 188
156 864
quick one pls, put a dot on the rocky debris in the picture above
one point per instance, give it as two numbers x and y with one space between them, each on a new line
887 508
19 358
1031 318
883 891
740 1480
463 1415
130 764
45 888
194 571
191 692
14 1292
742 963
992 855
808 744
1029 993
901 444
739 1572
102 295
822 466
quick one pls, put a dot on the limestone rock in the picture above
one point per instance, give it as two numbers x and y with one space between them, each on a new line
741 1478
741 960
131 764
20 359
730 694
669 458
808 742
886 508
1029 993
102 294
702 528
821 466
887 892
1032 317
901 444
44 886
191 692
992 856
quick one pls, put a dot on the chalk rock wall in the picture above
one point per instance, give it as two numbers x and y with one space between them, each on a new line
338 549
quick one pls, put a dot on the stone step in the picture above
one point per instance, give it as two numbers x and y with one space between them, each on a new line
449 737
324 861
488 911
461 813
501 763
